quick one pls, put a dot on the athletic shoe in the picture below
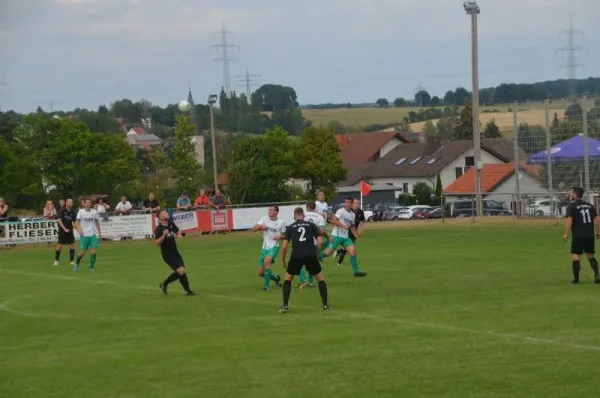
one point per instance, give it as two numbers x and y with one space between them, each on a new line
340 264
302 285
72 263
278 281
163 288
55 263
360 274
326 308
75 267
92 270
265 289
597 281
190 293
311 284
283 309
575 282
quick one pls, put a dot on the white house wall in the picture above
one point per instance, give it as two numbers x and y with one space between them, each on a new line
528 185
389 146
448 173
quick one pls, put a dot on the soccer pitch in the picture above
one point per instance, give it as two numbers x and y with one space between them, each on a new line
453 311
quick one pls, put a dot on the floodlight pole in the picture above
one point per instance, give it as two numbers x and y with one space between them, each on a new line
212 99
472 8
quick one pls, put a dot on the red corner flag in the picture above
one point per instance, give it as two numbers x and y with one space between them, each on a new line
365 189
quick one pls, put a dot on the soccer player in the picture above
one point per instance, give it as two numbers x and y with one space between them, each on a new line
66 216
321 206
164 236
302 233
581 218
273 229
88 222
319 221
344 223
358 224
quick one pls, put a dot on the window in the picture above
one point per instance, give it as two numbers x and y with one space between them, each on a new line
415 160
469 161
459 171
431 161
398 163
405 187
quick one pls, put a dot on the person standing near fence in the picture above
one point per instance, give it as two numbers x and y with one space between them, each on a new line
66 217
88 222
583 223
151 205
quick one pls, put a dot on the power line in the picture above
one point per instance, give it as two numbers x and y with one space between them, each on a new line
247 82
225 47
572 49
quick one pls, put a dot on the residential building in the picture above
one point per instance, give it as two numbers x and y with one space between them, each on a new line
360 148
139 137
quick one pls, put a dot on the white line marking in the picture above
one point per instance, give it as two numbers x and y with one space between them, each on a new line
375 317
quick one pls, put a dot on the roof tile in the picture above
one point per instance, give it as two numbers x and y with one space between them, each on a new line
492 175
359 148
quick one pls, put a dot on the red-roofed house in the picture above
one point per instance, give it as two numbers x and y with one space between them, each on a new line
498 182
360 148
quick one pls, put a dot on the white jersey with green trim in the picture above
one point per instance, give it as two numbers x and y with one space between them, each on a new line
346 217
87 219
322 208
274 228
316 219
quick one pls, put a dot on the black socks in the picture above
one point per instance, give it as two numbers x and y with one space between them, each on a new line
342 254
576 268
57 255
171 278
323 291
287 289
594 265
183 279
71 255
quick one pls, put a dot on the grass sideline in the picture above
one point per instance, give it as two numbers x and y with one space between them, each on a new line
454 310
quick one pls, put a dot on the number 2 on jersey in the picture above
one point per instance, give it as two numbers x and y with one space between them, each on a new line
585 215
302 231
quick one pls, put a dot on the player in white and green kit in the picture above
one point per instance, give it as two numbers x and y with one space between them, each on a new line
314 217
344 222
88 222
273 229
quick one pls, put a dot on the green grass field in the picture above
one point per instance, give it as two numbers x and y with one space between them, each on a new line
446 310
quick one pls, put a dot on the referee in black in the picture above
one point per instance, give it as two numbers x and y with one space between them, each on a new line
358 220
580 222
164 236
66 216
302 234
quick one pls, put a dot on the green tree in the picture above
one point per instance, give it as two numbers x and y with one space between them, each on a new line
98 122
404 126
423 193
438 189
492 130
20 181
184 165
382 103
8 123
400 102
446 127
464 127
159 172
531 138
290 120
319 160
430 131
336 127
423 98
272 97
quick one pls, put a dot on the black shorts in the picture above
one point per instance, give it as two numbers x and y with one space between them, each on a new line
583 245
174 260
65 238
311 262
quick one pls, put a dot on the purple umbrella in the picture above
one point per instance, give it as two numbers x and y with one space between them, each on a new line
569 150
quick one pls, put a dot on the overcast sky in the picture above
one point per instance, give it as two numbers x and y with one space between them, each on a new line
82 53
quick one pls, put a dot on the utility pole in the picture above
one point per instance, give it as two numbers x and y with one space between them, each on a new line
472 8
572 49
247 82
212 99
225 47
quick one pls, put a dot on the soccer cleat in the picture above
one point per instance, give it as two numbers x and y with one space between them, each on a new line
340 264
575 282
597 280
265 289
92 270
190 293
278 280
360 274
311 284
283 309
55 263
75 267
326 308
72 263
163 288
302 285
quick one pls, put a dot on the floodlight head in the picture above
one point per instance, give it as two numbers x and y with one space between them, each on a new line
212 99
471 7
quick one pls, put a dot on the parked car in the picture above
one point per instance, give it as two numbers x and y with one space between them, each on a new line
466 208
414 212
542 208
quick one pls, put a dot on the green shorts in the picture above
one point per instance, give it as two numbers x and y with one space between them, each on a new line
264 253
339 241
88 242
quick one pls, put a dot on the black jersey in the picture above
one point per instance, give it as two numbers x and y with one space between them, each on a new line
583 215
168 246
302 234
360 217
67 217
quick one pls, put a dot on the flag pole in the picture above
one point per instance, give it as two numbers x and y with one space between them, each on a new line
361 194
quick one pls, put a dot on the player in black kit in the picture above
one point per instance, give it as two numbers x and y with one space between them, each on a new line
66 216
164 236
581 218
303 235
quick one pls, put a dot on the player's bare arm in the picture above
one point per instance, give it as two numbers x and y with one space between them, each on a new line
319 244
337 223
78 226
62 226
259 227
361 229
284 247
597 223
98 227
568 224
179 235
354 232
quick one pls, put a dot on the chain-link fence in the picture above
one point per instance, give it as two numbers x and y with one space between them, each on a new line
558 149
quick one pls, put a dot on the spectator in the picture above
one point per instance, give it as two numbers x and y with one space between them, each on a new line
81 202
183 202
202 201
102 208
219 200
61 205
151 205
3 209
124 207
50 211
